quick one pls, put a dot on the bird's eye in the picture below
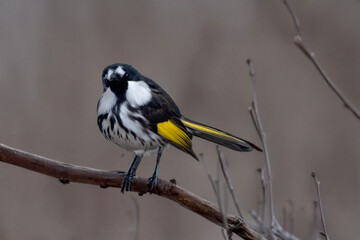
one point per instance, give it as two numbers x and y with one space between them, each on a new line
126 76
106 82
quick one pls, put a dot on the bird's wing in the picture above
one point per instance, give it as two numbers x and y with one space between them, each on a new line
164 119
176 136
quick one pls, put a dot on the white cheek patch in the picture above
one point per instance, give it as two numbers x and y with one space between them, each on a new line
120 71
107 102
138 93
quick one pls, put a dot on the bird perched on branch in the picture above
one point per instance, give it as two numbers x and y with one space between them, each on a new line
138 115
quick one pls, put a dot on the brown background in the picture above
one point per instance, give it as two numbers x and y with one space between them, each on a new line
52 54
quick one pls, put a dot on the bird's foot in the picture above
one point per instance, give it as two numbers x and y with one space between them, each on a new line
127 181
152 182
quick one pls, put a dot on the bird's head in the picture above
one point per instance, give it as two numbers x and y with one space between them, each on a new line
116 76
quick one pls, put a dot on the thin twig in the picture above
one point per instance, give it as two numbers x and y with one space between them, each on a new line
317 183
294 17
226 174
208 173
273 227
215 183
221 205
311 55
261 210
254 112
254 119
67 173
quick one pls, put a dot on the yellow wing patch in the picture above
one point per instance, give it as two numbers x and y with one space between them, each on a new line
173 133
176 136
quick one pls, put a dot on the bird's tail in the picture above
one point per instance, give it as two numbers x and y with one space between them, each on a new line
219 137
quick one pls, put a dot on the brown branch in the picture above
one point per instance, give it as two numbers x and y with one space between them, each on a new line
71 173
311 55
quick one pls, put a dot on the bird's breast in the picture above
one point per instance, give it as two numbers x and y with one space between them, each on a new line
129 129
107 102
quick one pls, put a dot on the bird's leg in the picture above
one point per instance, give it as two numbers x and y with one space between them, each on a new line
152 181
126 183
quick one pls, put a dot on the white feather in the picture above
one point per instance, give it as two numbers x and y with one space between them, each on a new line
107 102
138 93
120 71
145 142
132 125
108 74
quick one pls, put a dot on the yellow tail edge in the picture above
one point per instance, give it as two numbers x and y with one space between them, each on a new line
219 137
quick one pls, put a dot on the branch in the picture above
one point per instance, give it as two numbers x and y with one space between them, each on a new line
254 112
226 174
273 227
317 183
311 55
215 184
71 173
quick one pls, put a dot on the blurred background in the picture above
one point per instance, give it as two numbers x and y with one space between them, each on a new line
52 54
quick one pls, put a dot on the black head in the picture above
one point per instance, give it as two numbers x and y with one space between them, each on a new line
117 75
119 72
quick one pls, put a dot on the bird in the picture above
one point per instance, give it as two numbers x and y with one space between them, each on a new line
135 113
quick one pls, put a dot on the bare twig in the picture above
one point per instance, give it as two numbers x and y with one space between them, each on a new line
254 112
294 17
259 214
298 40
227 177
261 210
317 183
221 205
208 173
215 183
273 228
71 173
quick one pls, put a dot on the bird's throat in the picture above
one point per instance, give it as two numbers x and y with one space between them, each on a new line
119 89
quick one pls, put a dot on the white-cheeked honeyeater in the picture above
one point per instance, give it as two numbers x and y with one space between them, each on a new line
138 115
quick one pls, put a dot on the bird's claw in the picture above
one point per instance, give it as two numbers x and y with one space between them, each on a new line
126 183
152 182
